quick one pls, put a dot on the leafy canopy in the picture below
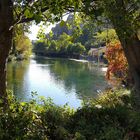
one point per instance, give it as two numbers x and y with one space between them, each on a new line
42 10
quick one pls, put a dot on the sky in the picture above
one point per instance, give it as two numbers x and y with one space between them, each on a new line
35 28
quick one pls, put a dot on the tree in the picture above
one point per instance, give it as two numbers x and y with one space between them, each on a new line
40 47
124 16
21 43
63 41
41 33
13 12
23 46
106 36
76 48
6 14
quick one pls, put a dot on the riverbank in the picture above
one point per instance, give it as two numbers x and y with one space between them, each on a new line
96 63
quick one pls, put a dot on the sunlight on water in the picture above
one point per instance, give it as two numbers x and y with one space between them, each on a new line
65 81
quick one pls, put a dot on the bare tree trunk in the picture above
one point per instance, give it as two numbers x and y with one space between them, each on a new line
6 16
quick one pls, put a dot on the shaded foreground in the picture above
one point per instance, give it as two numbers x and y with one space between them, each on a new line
111 117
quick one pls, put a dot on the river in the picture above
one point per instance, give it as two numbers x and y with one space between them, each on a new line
65 81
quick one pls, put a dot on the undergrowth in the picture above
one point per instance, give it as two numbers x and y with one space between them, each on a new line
110 117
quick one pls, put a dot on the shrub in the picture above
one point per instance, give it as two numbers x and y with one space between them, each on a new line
111 117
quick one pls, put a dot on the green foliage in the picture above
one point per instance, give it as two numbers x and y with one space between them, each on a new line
76 48
40 46
83 30
110 117
26 121
63 42
62 46
23 46
53 47
51 10
106 36
41 33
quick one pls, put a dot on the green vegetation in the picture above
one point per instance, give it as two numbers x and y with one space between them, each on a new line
70 38
120 14
110 117
22 46
62 47
106 36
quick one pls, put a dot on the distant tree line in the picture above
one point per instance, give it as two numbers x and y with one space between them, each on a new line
69 38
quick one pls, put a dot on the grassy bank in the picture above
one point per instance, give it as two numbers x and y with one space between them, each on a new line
111 117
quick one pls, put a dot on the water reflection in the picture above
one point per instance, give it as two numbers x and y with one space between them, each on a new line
61 79
16 81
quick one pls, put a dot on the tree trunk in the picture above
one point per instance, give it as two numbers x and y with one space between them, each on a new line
123 22
6 16
131 48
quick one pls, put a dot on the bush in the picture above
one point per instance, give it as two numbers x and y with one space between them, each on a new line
111 117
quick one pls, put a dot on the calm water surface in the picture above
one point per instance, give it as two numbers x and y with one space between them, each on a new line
65 81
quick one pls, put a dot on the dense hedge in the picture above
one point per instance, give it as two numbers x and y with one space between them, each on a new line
111 117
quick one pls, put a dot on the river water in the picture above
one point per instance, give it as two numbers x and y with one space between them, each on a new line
65 81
